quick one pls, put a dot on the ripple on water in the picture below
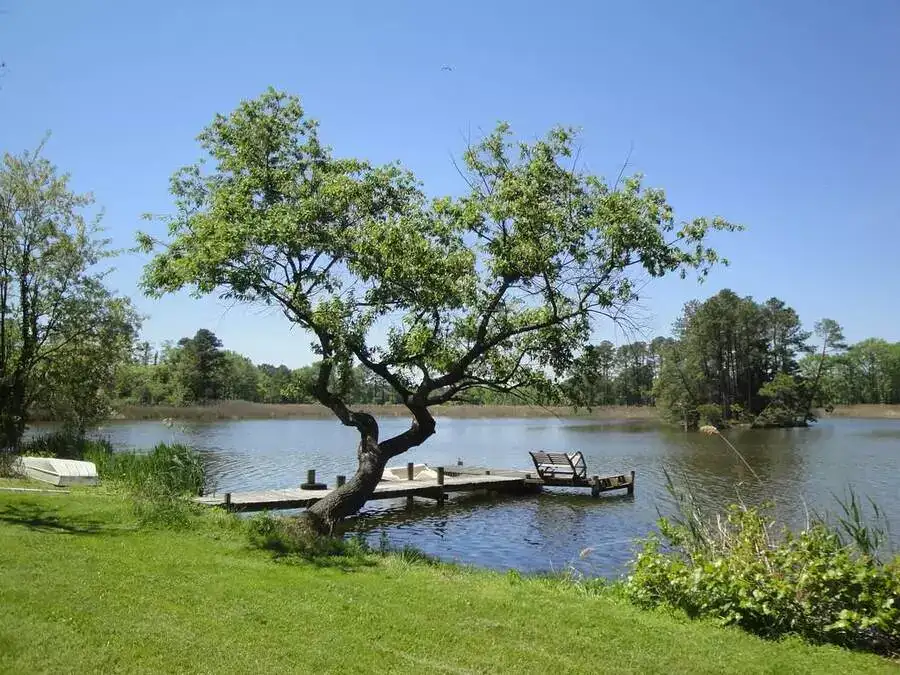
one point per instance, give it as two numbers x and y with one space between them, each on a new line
800 468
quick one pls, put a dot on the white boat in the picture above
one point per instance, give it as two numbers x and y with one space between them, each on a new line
420 472
58 471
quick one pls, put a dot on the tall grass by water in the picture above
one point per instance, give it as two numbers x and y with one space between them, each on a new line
159 481
834 581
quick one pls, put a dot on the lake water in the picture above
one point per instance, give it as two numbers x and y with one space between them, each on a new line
800 469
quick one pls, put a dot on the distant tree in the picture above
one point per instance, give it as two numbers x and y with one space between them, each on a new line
868 372
634 381
199 367
785 337
273 381
240 378
831 334
491 290
61 329
590 378
729 350
680 387
786 397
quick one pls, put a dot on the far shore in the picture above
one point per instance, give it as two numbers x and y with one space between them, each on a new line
237 410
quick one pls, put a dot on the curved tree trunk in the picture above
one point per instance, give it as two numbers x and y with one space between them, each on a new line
352 496
373 456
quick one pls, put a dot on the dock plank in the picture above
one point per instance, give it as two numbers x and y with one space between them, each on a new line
299 498
456 479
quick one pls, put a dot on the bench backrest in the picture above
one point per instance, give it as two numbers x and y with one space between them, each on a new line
559 464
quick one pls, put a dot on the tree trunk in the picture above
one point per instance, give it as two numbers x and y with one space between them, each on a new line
372 456
12 415
352 496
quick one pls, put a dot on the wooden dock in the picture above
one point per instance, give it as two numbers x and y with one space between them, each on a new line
449 480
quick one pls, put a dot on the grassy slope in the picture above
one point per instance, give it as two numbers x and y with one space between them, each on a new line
82 590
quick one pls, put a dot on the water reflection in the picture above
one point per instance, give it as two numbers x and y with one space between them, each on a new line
800 469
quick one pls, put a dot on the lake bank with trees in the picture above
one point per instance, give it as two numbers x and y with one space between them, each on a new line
249 410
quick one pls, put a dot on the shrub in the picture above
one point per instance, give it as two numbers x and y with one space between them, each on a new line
293 537
710 413
742 570
7 459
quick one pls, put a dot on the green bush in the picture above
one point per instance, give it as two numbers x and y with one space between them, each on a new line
710 413
741 570
294 537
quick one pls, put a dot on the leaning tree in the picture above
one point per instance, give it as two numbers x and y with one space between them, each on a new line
495 289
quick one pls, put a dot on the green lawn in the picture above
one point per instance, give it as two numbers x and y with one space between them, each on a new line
82 589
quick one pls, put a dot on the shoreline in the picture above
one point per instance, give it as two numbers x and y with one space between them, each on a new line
239 410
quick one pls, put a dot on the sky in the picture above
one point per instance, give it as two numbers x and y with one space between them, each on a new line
781 116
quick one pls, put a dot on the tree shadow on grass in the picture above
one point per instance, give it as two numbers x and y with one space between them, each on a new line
40 518
344 563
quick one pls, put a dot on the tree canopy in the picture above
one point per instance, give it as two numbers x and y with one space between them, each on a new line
62 331
494 289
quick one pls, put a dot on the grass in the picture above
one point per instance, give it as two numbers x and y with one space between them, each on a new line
27 483
85 589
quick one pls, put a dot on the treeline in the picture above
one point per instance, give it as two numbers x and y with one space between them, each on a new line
867 372
198 369
733 359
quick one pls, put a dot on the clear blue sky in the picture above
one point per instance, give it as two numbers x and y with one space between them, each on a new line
780 115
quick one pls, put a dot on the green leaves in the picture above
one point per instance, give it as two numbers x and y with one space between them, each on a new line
740 569
496 289
62 332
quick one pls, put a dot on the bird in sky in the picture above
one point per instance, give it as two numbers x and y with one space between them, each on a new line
446 68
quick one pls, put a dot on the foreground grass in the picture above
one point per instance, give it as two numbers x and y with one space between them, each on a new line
17 483
83 589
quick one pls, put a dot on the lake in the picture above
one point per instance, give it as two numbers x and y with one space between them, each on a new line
800 469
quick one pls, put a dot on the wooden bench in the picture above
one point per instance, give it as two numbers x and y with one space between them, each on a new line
560 466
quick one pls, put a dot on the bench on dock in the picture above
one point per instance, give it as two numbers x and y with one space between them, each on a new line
565 469
560 466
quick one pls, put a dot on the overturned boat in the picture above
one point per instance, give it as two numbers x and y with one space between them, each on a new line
57 471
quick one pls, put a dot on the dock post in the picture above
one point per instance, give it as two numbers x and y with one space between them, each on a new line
311 483
631 485
341 480
595 486
227 500
409 476
440 482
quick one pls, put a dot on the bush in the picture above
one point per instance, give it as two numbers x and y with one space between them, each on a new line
710 413
740 570
294 537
